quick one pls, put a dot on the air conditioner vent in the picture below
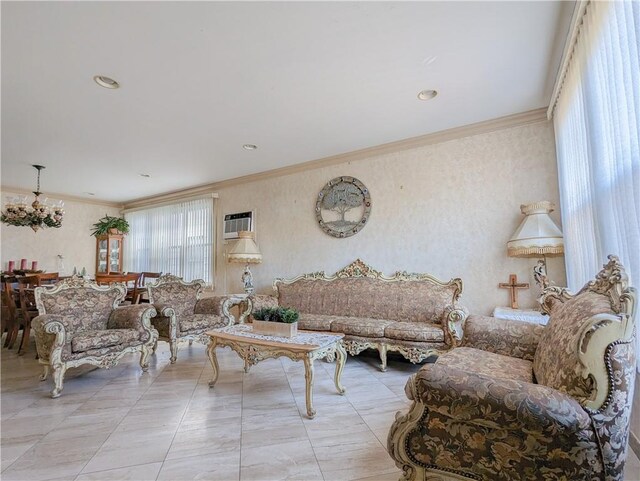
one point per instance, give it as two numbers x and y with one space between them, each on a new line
234 223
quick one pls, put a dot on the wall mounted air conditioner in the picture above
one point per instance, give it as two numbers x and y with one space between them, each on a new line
234 223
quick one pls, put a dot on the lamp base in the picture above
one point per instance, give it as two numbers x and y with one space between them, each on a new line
540 273
247 280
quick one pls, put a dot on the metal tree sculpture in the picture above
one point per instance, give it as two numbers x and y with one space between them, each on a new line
341 199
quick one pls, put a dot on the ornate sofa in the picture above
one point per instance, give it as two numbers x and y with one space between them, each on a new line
80 323
523 402
182 314
413 314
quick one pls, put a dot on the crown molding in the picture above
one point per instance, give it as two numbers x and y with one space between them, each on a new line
70 198
487 126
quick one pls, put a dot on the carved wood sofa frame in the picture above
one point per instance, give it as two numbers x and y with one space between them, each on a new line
452 325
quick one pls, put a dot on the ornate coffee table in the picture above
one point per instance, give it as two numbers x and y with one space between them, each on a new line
307 346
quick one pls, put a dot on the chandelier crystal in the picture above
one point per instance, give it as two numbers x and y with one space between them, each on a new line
41 214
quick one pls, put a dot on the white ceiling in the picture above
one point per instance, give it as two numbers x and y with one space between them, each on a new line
301 80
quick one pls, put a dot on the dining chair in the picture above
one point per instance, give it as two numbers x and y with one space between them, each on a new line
126 279
8 308
151 276
28 311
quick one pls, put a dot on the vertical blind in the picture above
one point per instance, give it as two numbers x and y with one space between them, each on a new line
176 239
597 126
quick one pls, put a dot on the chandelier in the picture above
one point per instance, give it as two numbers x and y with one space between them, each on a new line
41 214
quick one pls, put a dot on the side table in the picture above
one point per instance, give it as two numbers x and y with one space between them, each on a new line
524 315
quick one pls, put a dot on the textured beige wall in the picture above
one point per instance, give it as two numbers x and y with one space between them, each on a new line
446 209
72 240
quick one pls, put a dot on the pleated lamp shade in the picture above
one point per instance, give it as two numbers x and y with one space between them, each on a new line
537 234
245 250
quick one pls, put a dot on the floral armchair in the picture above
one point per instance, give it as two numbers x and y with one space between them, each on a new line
79 322
182 314
522 402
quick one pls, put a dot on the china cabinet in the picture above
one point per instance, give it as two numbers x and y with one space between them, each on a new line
109 253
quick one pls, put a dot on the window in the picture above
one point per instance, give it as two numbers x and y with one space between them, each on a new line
597 125
176 239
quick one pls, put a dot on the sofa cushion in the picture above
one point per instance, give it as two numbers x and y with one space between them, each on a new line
199 322
363 297
360 326
556 363
489 364
98 339
414 331
316 322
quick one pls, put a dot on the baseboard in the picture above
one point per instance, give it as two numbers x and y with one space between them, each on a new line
634 442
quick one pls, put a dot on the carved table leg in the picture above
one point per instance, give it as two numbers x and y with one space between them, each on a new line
246 365
211 352
308 377
341 357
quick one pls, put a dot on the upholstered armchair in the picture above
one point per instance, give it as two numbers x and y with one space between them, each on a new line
79 322
522 402
182 314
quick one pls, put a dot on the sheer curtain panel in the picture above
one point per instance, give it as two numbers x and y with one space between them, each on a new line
597 126
176 239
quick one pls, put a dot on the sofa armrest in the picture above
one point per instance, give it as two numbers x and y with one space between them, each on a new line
164 310
496 403
245 305
136 316
52 332
210 305
502 336
262 301
453 323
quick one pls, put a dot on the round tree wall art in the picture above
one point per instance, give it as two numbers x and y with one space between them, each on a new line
343 207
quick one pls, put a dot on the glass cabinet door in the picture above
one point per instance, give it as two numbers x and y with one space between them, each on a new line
114 255
102 255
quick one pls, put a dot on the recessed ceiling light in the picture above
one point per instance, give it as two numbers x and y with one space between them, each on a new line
106 82
249 147
427 94
90 193
145 175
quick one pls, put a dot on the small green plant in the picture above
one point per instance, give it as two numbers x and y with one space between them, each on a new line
277 314
107 223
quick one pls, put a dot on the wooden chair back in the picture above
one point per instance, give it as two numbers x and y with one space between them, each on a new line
28 308
131 280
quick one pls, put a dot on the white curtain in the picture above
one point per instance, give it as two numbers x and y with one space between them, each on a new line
176 239
597 126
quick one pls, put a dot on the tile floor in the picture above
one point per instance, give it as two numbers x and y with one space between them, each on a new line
120 424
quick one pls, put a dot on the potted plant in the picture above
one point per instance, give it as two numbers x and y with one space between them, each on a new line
110 225
278 321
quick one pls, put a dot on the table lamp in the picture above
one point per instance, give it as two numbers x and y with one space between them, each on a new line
246 250
537 236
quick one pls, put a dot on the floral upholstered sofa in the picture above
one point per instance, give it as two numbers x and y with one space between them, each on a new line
414 314
523 402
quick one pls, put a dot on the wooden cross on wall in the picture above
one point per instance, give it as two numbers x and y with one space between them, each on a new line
513 286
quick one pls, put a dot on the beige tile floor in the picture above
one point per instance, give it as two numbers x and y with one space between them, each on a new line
120 424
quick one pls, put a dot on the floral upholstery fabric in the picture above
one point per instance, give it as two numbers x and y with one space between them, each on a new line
128 317
86 308
556 362
502 430
182 298
199 323
316 322
261 301
87 340
362 297
162 325
413 331
489 364
210 305
360 326
502 336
